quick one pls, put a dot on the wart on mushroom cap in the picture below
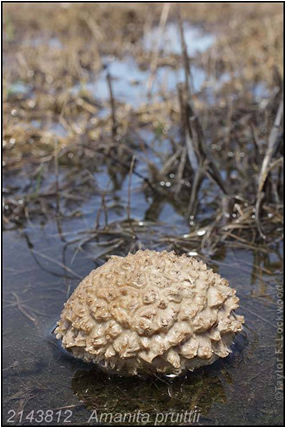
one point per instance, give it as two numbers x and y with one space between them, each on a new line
150 312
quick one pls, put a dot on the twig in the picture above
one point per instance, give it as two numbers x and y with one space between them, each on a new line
265 168
187 69
112 102
23 310
57 263
146 180
153 63
105 210
130 188
180 170
260 317
198 179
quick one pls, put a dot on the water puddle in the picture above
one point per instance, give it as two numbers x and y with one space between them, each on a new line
196 40
49 42
50 126
103 213
130 82
19 88
38 375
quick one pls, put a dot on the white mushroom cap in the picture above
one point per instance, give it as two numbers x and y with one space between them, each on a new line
150 312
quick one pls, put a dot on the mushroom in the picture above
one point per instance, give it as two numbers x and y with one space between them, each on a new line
150 312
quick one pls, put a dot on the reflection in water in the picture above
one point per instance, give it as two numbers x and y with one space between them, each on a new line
121 394
198 390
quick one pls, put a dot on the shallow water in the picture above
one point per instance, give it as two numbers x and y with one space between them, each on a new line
42 267
169 40
44 262
130 81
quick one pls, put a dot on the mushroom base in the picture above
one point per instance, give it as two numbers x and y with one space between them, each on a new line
159 365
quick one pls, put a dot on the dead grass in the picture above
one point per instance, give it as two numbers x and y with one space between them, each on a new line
56 138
